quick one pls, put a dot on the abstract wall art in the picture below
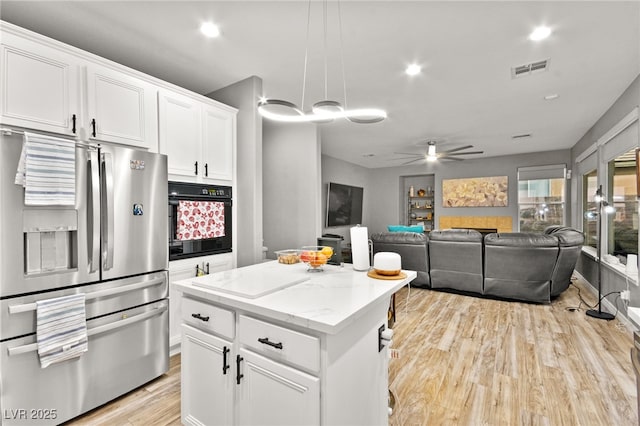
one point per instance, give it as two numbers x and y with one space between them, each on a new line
475 192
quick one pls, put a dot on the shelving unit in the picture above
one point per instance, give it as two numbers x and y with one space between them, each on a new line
417 201
421 210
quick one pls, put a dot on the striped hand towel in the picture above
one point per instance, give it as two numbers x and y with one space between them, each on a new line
49 166
61 328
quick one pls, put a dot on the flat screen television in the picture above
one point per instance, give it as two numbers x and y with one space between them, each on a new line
344 205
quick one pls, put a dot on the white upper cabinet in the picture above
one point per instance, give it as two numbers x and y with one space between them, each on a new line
198 137
39 86
120 108
180 135
219 133
53 87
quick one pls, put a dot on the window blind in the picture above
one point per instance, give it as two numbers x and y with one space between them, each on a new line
553 171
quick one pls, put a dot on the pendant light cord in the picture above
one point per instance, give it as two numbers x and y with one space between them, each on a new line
324 22
326 66
306 55
344 79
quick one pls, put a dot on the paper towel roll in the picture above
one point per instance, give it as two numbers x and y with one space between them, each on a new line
360 248
632 264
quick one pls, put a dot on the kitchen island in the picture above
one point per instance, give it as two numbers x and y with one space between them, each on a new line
275 344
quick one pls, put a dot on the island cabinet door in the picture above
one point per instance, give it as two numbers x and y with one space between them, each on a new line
270 393
207 386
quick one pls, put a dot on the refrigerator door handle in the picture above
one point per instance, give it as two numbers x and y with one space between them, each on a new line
94 212
115 291
107 211
97 330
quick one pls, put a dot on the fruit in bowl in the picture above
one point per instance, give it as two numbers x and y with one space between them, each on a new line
288 257
316 256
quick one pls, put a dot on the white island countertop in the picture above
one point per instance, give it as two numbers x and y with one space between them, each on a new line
324 301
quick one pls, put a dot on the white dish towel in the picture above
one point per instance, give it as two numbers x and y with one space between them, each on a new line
47 170
61 328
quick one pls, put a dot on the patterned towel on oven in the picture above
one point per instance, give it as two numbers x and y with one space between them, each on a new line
47 170
61 328
199 220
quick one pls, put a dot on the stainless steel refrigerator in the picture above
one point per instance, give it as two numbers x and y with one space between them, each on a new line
112 246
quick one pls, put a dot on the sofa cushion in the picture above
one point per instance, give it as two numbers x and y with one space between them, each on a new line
570 242
412 248
519 265
460 235
455 259
520 239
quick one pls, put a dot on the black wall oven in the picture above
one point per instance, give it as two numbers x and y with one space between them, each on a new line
199 220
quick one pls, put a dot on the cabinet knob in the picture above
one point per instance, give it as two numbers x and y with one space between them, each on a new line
196 164
73 123
93 127
206 169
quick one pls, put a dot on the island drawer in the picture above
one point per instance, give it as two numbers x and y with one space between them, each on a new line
208 317
279 343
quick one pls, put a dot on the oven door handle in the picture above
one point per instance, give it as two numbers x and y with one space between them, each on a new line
16 309
99 329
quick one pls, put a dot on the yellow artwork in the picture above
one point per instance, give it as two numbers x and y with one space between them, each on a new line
475 192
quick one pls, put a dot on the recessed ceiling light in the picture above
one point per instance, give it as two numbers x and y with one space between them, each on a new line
540 33
551 97
413 69
210 29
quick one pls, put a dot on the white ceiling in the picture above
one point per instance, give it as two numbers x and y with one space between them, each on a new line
464 96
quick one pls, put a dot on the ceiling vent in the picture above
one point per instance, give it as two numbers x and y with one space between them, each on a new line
528 69
521 136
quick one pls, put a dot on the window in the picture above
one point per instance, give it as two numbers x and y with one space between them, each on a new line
590 208
541 197
623 224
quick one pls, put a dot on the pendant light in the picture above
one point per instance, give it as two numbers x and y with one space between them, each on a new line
326 110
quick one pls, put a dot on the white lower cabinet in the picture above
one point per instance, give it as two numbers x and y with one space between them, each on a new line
184 269
271 393
224 382
243 368
207 379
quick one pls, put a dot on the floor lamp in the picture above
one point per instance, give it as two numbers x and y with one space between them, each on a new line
603 207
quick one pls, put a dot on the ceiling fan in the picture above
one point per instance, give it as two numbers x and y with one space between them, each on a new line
432 155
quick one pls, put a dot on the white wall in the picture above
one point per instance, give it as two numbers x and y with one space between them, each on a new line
384 194
291 185
247 199
611 281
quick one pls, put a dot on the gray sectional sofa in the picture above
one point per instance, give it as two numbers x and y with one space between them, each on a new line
519 266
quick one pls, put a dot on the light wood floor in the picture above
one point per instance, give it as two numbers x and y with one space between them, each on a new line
471 361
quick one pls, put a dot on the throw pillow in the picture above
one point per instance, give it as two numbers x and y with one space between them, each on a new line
404 228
